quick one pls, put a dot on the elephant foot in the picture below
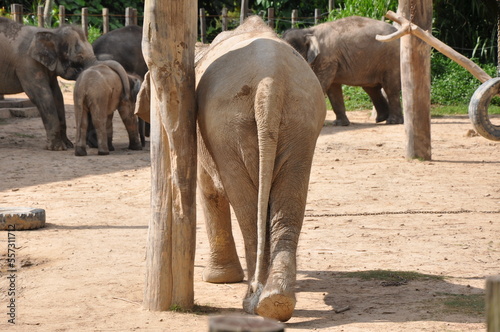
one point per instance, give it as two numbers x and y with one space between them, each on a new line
135 146
68 143
395 119
80 151
226 274
381 117
341 122
103 153
272 304
56 145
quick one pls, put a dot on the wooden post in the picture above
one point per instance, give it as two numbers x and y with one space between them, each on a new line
17 12
169 37
129 16
224 19
270 16
105 20
62 15
203 26
39 15
135 19
317 16
85 21
244 10
331 5
416 81
493 303
295 15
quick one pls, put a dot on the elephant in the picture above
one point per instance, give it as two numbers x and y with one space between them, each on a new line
123 45
31 60
260 111
345 51
99 91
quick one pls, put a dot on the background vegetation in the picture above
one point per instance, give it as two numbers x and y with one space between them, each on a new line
469 26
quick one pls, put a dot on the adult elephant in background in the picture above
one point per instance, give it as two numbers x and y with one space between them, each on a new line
32 58
260 111
345 51
123 45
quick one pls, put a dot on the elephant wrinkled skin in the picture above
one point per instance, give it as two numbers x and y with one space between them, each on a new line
345 51
32 58
260 111
99 91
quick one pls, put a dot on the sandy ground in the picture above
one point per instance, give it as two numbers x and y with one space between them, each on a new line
85 270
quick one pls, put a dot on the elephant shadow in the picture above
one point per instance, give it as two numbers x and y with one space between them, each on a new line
353 300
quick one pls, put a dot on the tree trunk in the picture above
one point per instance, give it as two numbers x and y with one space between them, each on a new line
170 31
415 80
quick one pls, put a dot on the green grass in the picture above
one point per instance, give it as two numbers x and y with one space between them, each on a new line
472 304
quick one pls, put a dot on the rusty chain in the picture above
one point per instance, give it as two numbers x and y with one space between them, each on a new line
359 214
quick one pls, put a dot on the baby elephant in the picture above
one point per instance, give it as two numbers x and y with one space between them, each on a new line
100 90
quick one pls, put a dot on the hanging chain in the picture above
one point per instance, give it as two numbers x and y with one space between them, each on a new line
359 214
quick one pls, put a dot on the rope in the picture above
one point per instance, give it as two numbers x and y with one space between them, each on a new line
359 214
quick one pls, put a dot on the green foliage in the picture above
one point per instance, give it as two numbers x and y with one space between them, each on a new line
451 84
94 33
375 9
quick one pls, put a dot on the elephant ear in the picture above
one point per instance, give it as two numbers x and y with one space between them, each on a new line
142 106
313 49
43 49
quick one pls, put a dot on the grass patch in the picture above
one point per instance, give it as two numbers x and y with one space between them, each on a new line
24 135
390 276
472 304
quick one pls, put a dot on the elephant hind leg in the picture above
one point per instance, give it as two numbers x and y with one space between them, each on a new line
336 98
379 101
224 265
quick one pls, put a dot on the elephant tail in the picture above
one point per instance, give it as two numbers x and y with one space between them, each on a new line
117 68
268 118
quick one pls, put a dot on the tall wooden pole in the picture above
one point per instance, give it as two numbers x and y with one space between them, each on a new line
169 36
415 80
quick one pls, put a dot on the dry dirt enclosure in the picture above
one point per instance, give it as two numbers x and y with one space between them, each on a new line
85 270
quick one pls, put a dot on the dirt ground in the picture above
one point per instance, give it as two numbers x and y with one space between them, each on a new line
85 270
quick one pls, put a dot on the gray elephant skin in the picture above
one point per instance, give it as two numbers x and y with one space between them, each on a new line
31 60
124 45
260 111
99 91
345 51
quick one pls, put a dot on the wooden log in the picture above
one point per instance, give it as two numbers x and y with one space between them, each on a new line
224 19
17 12
62 15
105 20
493 303
203 26
416 81
244 323
407 28
39 16
270 16
85 21
169 37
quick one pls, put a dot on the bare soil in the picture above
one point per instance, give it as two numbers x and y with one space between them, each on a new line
368 209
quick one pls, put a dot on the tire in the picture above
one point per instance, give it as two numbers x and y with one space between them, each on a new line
478 109
21 218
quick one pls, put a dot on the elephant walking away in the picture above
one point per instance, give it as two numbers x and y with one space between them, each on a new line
32 58
260 111
345 51
99 91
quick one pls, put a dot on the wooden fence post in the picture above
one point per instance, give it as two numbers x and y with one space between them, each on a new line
295 15
85 21
39 16
416 81
17 12
169 37
105 20
62 15
129 16
317 16
203 26
224 19
331 5
493 303
270 17
243 11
